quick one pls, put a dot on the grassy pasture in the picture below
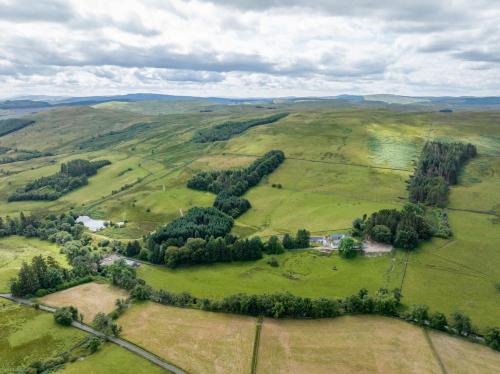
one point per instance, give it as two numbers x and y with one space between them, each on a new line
304 273
59 128
461 273
365 344
27 335
197 341
322 190
88 298
111 359
15 250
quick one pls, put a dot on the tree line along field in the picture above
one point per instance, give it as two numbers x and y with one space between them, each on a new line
206 342
341 163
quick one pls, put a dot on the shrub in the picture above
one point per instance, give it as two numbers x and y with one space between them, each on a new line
461 323
438 321
105 324
141 292
347 248
492 337
66 315
273 262
418 313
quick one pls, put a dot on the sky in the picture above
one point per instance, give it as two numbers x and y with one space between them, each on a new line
250 48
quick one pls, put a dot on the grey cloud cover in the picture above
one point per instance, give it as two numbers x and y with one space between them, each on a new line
250 48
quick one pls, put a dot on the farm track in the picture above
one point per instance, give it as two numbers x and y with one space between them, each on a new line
434 351
120 342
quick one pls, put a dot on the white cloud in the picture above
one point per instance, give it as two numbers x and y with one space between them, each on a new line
250 48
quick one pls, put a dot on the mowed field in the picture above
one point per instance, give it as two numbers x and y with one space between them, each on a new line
27 335
196 341
89 299
366 344
15 250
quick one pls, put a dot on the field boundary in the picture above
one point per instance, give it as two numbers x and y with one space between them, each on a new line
256 343
319 161
132 347
433 350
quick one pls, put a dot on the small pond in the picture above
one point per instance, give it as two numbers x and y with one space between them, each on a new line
92 224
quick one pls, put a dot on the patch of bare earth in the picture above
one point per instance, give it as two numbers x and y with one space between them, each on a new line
354 344
461 356
89 298
197 341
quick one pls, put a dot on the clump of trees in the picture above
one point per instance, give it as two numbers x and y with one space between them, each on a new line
73 174
66 315
438 167
300 240
45 275
55 228
227 130
230 184
347 248
105 324
196 223
232 205
405 228
40 273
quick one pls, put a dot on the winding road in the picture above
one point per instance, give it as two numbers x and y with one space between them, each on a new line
120 342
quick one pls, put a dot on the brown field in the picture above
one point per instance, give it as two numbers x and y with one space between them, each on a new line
356 344
197 341
461 356
89 298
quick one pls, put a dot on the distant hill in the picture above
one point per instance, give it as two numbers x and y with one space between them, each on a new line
21 104
433 102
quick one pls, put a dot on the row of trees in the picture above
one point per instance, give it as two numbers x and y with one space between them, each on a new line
10 125
438 167
230 184
227 130
237 181
20 155
72 175
405 228
458 323
216 249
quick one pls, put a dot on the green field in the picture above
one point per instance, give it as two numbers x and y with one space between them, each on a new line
15 250
111 359
342 162
27 335
304 273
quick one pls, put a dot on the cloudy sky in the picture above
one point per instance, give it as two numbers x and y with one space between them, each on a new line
250 47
